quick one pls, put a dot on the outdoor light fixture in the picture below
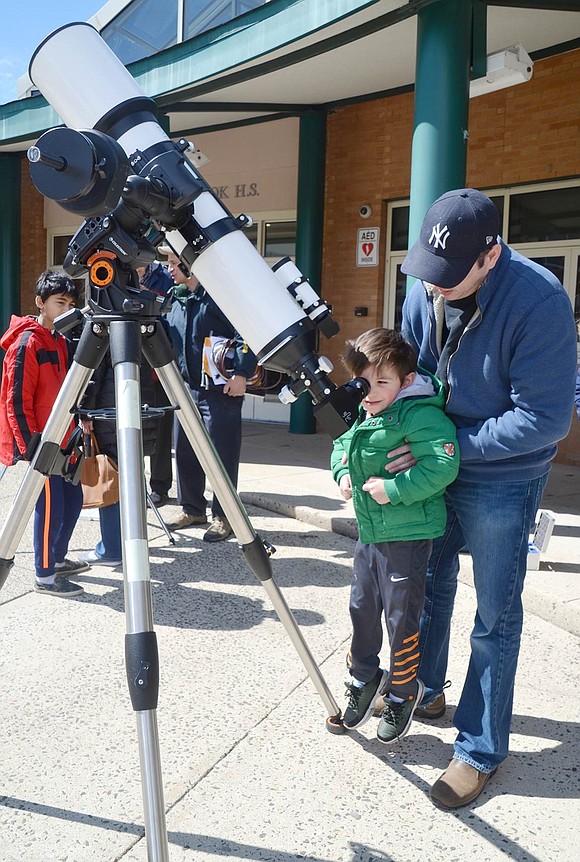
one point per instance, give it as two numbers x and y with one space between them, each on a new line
505 68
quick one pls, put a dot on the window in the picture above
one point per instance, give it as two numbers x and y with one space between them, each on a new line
544 216
273 235
280 239
143 28
201 15
147 26
56 253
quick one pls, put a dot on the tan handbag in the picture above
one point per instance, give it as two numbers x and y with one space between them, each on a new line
99 476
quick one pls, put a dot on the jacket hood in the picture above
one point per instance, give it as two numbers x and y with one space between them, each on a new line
18 325
423 386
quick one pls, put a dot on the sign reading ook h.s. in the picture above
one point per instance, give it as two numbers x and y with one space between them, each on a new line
367 246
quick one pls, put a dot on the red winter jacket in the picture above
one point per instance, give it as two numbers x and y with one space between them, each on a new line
33 372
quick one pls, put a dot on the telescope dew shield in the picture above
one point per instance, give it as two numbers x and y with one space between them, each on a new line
89 88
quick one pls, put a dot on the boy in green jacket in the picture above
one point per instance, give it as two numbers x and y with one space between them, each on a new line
398 516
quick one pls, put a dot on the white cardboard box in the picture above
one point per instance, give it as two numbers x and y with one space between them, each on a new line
539 543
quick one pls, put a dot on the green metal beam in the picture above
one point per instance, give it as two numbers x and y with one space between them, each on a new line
309 225
9 238
439 151
479 40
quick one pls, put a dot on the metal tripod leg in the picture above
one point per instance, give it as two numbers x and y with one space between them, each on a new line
157 514
251 545
141 655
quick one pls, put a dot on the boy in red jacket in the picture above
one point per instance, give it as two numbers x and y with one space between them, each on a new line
34 369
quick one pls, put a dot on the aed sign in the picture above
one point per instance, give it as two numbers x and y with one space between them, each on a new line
367 246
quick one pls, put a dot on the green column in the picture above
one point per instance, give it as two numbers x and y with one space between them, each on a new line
9 238
309 224
439 153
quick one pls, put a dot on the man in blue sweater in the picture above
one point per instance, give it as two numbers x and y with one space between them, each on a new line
492 326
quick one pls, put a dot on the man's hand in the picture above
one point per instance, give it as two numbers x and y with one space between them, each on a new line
236 386
376 488
403 462
345 486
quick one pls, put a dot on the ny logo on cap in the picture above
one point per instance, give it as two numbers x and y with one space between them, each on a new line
439 236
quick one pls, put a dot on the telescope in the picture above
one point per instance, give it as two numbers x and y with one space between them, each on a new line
137 189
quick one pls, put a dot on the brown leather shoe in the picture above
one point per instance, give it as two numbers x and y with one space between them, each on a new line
218 530
459 785
435 709
185 520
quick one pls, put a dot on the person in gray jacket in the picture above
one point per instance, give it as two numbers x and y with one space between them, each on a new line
493 326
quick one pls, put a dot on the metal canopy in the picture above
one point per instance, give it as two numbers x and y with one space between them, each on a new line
287 58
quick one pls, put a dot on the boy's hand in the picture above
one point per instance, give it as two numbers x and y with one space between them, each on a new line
376 488
404 462
345 486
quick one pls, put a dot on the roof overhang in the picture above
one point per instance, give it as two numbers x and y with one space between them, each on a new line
289 56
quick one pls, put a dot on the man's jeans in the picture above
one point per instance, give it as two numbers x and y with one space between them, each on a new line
222 417
492 520
109 546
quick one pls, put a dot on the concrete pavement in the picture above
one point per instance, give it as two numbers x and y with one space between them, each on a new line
249 771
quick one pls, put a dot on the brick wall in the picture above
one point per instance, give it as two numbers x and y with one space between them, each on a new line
32 239
519 135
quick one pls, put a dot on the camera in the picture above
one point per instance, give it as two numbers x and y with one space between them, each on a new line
365 211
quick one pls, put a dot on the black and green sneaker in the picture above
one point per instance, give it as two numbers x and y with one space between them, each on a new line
396 718
361 701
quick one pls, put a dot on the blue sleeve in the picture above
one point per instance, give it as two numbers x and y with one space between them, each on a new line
541 373
245 360
577 395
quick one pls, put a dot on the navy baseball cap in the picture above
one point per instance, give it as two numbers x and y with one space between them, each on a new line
456 229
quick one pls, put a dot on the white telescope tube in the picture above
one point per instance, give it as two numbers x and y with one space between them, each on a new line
85 82
246 290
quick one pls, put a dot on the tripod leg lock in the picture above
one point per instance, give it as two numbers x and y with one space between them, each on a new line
257 557
5 566
142 667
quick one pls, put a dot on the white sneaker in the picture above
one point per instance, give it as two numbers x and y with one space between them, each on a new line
93 559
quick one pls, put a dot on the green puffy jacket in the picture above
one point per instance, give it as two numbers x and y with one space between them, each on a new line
416 509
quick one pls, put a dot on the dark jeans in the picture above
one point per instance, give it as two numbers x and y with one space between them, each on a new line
161 468
109 545
493 519
222 417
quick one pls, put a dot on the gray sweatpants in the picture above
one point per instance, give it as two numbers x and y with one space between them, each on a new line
388 577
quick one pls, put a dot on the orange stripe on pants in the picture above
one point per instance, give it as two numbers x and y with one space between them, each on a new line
46 531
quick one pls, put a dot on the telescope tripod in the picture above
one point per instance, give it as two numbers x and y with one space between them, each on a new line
127 337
